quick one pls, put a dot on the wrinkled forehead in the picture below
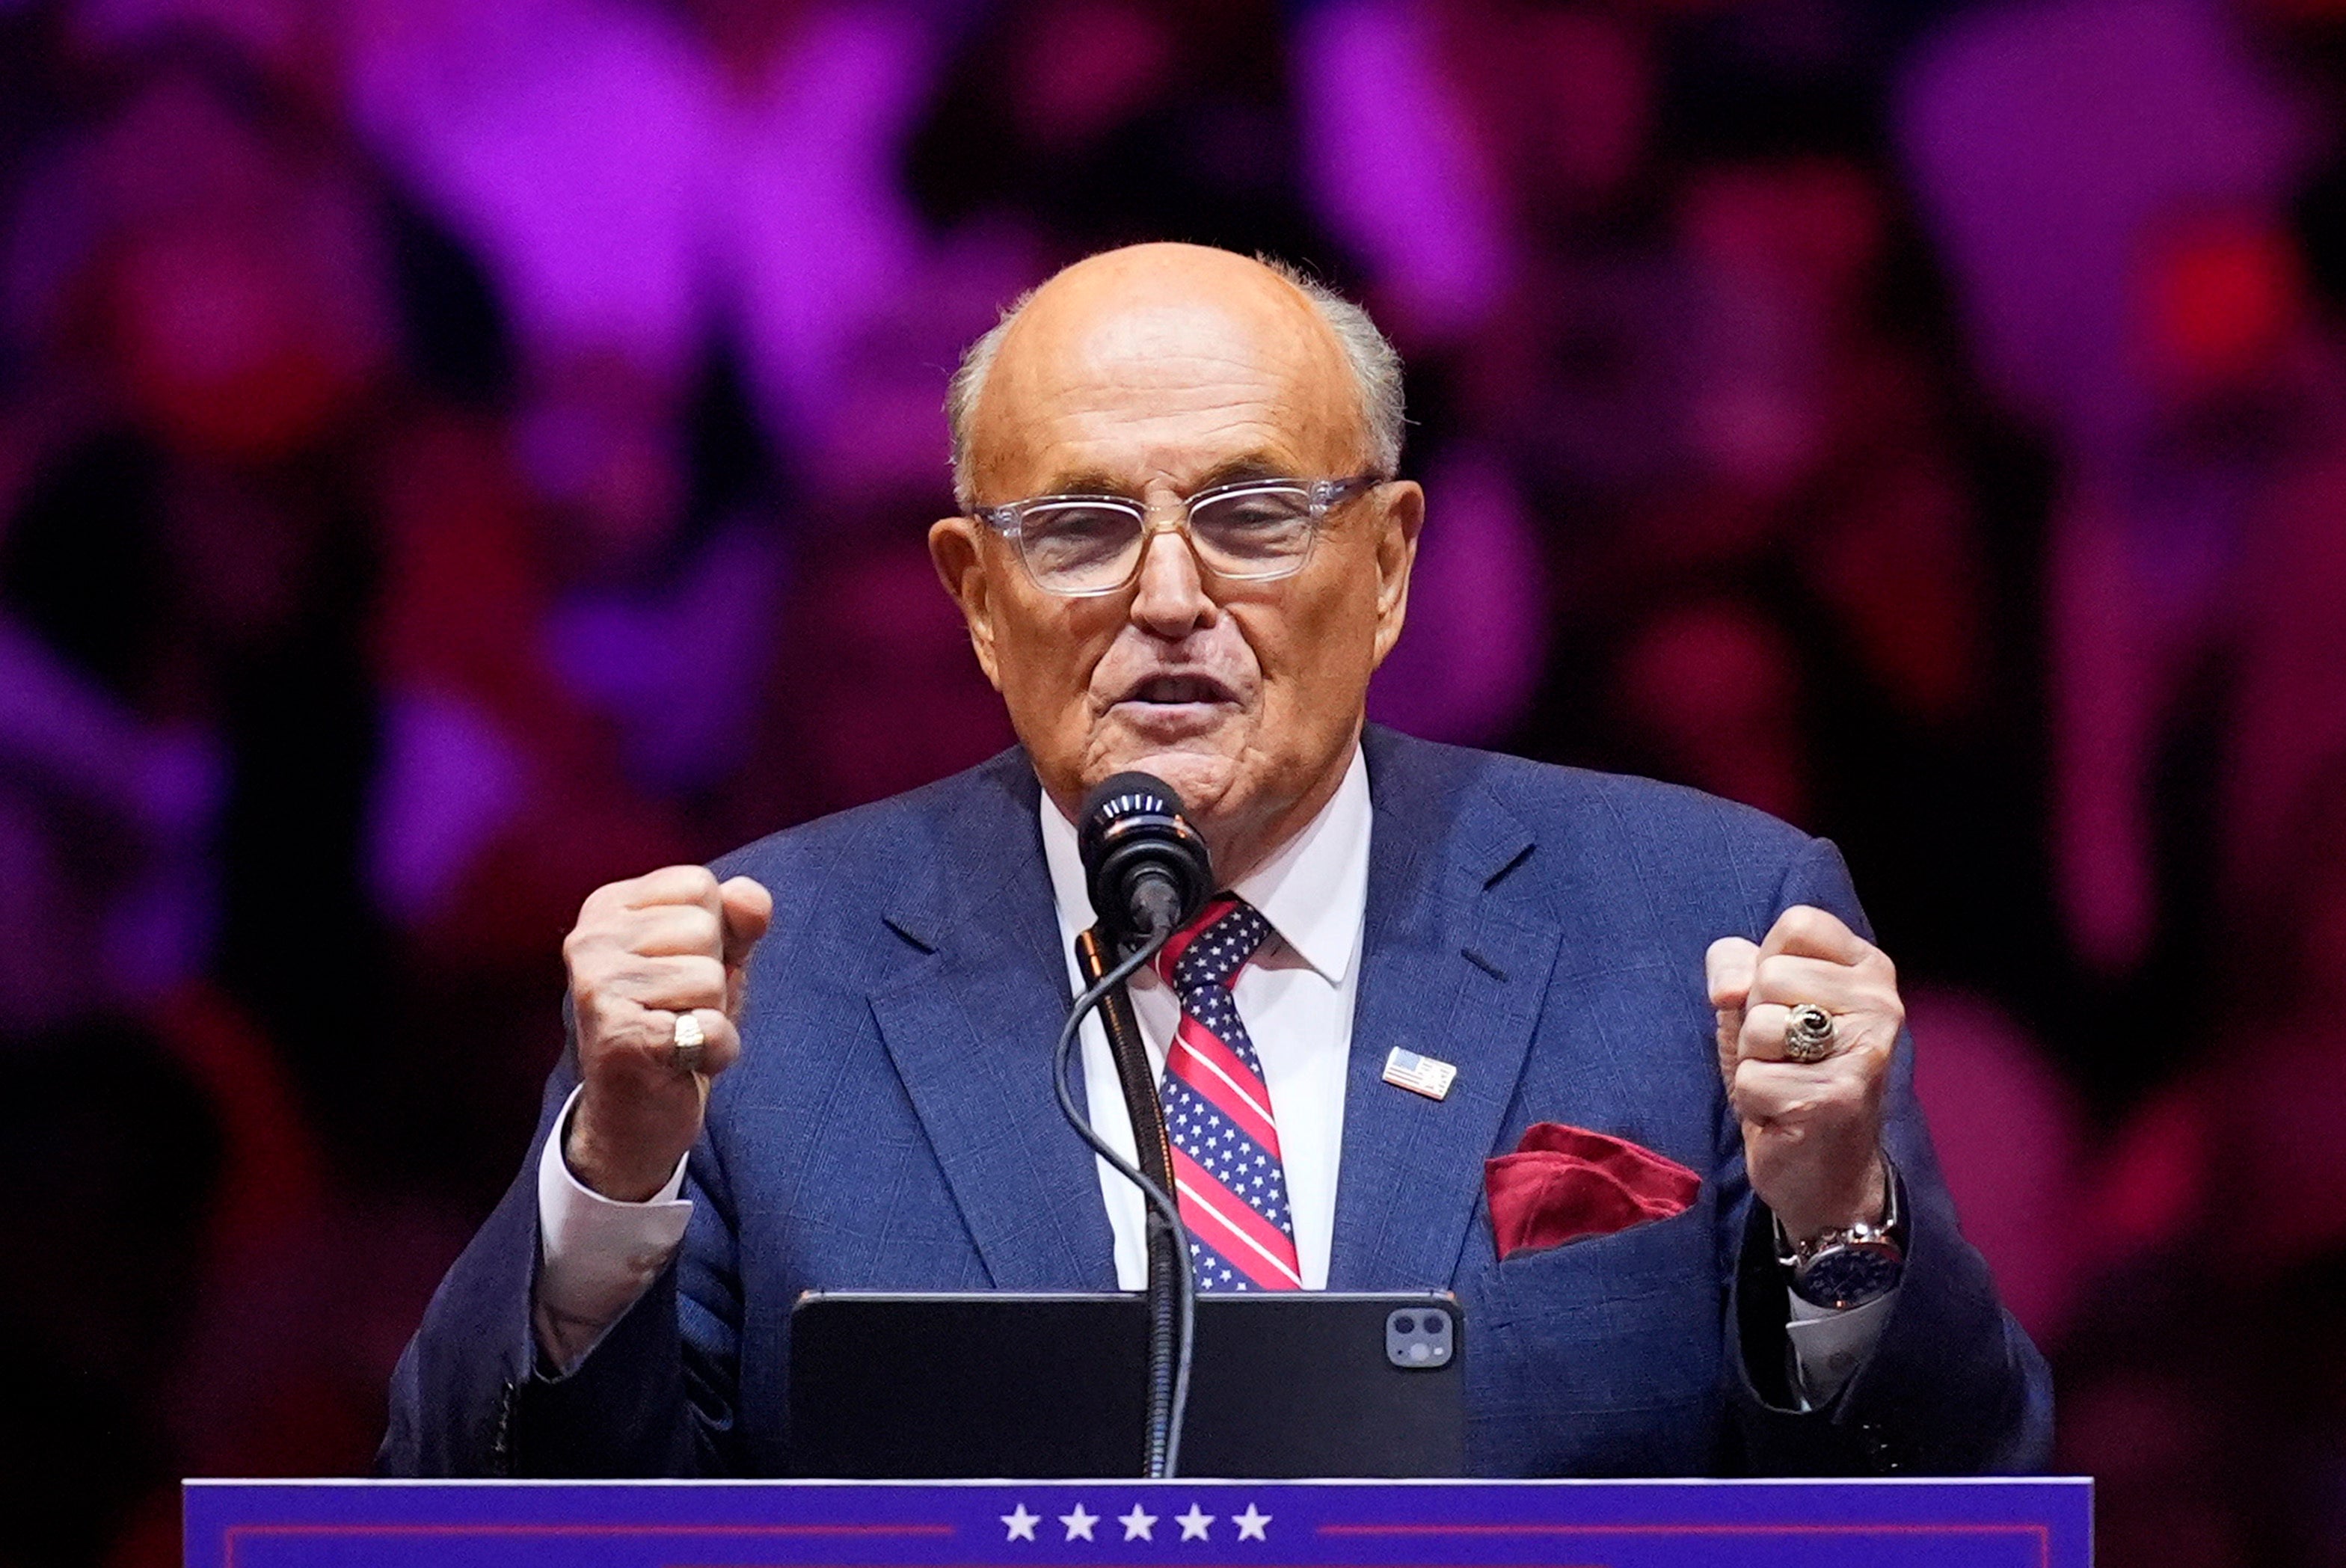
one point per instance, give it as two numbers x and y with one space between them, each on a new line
1151 386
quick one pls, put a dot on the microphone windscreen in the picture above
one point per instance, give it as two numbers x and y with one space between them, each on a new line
1133 831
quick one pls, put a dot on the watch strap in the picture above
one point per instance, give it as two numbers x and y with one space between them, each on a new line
1889 1230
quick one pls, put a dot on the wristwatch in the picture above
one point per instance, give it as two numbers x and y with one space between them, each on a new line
1849 1265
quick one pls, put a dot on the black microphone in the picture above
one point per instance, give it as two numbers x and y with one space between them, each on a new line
1146 868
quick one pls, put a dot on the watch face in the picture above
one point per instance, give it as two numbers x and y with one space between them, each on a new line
1849 1276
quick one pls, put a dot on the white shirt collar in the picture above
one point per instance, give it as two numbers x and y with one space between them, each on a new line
1314 889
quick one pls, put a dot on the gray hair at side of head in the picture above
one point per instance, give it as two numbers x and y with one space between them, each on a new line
1374 363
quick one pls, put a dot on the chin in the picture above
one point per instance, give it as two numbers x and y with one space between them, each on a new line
1200 778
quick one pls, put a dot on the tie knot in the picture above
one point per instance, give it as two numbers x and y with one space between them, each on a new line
1212 948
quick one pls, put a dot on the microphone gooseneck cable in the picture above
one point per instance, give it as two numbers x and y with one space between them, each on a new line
1147 873
1168 1407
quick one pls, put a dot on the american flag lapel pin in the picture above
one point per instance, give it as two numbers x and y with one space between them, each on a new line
1425 1075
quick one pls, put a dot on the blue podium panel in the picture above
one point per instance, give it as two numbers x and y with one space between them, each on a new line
2019 1523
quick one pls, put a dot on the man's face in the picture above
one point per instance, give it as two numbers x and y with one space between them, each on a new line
1155 373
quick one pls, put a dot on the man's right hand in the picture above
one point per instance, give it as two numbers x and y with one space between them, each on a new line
643 951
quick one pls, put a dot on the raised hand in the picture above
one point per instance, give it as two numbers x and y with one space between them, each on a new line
645 953
1811 1131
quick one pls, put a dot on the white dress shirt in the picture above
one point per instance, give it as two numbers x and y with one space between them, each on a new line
1295 996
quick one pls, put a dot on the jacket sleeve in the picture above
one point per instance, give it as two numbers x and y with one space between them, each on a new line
468 1398
455 1391
1953 1386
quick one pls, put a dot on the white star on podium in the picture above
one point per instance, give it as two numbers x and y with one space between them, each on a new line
1250 1524
1079 1524
1137 1524
1194 1522
1022 1524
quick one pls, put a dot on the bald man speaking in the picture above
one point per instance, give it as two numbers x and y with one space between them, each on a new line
1675 1177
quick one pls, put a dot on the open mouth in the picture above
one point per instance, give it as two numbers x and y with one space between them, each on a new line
1170 690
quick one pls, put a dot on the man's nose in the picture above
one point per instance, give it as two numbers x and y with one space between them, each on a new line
1170 599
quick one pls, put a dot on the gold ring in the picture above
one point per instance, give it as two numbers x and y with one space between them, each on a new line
689 1042
1808 1032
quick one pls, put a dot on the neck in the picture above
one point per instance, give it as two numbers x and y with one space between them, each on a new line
1239 849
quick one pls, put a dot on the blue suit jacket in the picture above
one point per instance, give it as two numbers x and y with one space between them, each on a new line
889 1125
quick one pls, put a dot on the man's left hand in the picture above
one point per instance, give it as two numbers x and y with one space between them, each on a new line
1811 1132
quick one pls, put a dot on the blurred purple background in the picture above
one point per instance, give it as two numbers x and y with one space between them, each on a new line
453 452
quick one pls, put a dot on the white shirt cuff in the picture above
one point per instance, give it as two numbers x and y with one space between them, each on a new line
1828 1344
597 1256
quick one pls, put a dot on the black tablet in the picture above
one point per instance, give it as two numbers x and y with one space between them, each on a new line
998 1384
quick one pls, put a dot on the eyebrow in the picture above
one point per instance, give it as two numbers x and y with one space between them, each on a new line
1097 481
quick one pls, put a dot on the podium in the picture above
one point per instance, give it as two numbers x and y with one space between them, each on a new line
1916 1523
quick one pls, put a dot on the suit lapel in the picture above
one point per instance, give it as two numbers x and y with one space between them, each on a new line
1447 970
969 1031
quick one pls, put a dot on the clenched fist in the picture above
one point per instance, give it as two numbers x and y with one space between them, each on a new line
643 952
1811 1132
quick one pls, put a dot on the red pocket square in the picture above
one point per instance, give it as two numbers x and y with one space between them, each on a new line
1563 1183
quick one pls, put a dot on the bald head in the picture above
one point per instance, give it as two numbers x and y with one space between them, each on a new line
1114 314
1156 374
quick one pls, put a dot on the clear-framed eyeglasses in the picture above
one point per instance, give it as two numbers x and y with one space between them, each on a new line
1250 531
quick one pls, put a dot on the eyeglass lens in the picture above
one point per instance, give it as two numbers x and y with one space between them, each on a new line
1075 545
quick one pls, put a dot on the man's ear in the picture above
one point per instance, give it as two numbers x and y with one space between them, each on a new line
1397 531
960 559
